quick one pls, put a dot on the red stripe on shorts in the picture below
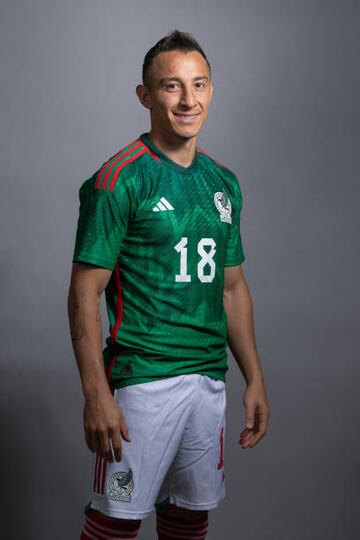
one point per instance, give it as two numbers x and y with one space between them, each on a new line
103 472
98 475
95 472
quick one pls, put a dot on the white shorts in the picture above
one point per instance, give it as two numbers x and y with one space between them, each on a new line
176 453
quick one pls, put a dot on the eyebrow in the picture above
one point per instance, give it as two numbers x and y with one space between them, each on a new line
166 79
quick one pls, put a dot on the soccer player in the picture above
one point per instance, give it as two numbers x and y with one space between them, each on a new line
159 232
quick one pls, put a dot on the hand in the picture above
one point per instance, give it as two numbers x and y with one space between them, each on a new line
104 422
257 414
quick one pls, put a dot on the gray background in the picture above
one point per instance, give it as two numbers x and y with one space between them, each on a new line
285 118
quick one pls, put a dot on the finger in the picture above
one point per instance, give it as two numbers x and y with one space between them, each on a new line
124 431
249 417
245 432
261 422
116 445
245 441
104 446
256 438
91 441
246 438
253 436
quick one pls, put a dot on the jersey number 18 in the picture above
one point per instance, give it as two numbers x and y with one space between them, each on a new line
207 258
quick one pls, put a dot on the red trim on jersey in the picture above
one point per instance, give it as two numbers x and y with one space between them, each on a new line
110 368
113 161
119 304
201 151
141 151
116 161
155 156
109 160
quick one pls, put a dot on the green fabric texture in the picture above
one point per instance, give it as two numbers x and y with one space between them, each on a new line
166 232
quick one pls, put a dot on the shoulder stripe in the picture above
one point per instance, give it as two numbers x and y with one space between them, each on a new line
108 166
112 168
111 159
139 153
152 153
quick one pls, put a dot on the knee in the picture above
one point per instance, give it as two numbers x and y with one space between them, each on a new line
183 513
114 527
99 516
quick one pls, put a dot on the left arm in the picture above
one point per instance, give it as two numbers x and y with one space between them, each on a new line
241 339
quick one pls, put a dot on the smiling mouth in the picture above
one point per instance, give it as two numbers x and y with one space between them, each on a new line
187 115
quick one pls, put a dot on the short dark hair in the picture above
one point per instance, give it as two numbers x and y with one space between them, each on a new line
175 40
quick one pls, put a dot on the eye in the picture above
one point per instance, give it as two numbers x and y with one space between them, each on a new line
200 84
172 86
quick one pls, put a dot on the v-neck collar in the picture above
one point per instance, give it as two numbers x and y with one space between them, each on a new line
167 160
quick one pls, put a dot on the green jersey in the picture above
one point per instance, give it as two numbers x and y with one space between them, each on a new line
166 232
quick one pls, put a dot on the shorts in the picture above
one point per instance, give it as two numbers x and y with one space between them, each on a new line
176 453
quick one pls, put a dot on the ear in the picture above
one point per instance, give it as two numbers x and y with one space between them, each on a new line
144 96
211 90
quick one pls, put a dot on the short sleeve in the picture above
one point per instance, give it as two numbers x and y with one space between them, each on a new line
235 252
102 225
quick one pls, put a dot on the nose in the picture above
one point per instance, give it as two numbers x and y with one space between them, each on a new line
188 98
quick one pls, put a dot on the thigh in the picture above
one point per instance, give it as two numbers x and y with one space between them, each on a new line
156 414
196 478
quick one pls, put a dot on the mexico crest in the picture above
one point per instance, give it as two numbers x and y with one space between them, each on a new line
223 204
120 486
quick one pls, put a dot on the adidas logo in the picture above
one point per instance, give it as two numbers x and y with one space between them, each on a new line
163 204
126 369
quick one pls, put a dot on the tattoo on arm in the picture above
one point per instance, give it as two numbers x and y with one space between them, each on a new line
77 333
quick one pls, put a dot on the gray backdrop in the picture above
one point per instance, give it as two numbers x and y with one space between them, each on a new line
285 117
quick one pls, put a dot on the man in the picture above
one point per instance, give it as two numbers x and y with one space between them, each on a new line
159 232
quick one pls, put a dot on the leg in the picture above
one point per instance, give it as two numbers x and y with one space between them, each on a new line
97 526
175 523
196 476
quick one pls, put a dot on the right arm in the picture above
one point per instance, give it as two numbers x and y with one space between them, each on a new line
103 418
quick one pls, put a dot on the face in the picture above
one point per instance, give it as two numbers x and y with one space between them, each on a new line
178 94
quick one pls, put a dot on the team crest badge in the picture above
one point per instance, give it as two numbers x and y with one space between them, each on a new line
120 486
223 204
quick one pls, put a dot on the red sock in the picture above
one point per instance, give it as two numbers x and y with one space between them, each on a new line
97 526
173 527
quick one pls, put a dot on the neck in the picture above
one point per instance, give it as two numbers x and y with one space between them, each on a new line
180 150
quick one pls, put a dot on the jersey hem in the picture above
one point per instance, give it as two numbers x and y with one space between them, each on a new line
241 260
140 380
93 260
